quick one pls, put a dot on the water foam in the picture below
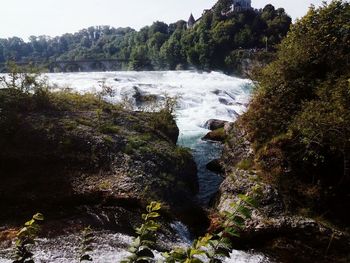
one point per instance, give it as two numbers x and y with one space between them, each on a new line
201 96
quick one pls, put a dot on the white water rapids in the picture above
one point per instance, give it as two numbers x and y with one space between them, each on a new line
201 96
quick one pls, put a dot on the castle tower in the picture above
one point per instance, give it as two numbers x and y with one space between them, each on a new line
191 21
240 5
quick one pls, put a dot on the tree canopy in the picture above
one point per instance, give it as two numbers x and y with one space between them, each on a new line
299 114
207 45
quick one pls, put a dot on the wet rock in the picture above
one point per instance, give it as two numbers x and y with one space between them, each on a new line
215 166
236 147
214 124
217 135
225 101
280 233
233 113
58 161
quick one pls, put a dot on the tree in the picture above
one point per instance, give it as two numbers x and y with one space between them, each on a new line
325 122
301 104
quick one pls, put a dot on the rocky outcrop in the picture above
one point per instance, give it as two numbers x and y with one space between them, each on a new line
275 231
286 236
218 135
215 166
84 162
214 124
219 130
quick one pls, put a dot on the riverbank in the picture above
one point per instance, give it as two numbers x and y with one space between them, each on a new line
70 155
284 234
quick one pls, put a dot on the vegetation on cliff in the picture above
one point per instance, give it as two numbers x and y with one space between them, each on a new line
298 119
67 150
212 44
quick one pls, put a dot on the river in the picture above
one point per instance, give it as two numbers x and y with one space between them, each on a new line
201 96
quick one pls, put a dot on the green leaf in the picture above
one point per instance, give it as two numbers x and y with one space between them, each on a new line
232 231
193 260
249 200
196 252
203 241
245 212
136 242
239 221
38 217
154 206
153 215
30 222
22 232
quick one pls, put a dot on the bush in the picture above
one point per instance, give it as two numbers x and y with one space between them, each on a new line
299 115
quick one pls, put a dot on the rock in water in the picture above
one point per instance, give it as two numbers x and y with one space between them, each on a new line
218 135
214 124
215 166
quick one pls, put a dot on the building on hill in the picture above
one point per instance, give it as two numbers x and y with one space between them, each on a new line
191 21
241 5
236 6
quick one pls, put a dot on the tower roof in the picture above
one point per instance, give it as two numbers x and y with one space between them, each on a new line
191 20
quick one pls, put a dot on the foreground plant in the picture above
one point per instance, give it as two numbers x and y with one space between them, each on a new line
142 245
26 238
86 245
214 248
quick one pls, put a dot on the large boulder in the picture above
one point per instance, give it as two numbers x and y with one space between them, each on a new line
277 232
284 234
219 130
215 166
214 124
93 157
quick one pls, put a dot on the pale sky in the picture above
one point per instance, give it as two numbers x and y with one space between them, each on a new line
24 18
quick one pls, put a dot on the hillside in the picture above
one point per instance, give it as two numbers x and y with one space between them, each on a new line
213 44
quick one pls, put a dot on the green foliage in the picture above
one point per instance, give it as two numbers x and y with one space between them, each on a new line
161 46
298 119
141 247
163 117
109 128
215 247
26 79
245 164
26 238
86 245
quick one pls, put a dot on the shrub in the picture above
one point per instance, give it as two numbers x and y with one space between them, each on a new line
298 119
26 238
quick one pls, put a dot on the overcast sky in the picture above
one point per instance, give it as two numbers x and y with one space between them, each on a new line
24 18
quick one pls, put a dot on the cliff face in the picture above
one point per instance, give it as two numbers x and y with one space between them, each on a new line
71 161
245 61
285 235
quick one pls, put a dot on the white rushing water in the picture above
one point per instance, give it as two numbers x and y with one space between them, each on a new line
201 96
109 248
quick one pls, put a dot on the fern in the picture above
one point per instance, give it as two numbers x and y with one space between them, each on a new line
86 245
214 248
26 238
141 247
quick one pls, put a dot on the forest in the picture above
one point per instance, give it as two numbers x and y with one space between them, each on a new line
214 43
